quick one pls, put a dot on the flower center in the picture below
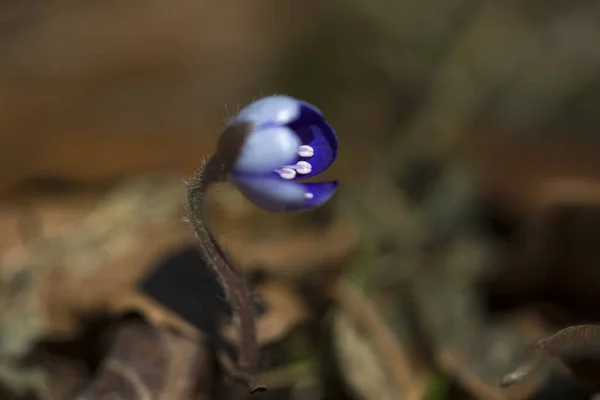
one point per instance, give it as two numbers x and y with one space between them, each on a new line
301 167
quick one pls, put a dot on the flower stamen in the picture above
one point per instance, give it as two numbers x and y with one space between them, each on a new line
308 196
286 172
290 171
306 151
303 168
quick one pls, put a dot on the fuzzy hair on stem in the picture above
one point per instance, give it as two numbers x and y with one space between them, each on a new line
213 171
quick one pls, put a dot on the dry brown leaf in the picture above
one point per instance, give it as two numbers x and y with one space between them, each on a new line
478 369
149 363
33 217
66 378
364 342
464 343
112 285
578 347
48 285
157 315
358 362
295 253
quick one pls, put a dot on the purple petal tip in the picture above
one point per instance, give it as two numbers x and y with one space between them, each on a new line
280 195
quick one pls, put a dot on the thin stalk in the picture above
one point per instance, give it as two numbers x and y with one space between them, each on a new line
242 305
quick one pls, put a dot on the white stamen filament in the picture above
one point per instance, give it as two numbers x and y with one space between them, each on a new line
306 151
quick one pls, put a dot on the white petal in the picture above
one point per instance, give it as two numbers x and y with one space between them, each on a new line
265 150
278 109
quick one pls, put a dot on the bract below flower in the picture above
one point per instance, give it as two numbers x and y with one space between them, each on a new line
289 141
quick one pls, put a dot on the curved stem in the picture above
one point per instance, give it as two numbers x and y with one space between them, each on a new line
242 305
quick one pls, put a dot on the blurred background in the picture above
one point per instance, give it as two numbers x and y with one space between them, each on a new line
466 227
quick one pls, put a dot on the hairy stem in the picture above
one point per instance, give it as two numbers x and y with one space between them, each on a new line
240 299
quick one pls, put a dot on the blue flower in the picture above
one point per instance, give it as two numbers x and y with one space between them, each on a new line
286 140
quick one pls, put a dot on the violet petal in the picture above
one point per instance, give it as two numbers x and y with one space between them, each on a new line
280 195
321 137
